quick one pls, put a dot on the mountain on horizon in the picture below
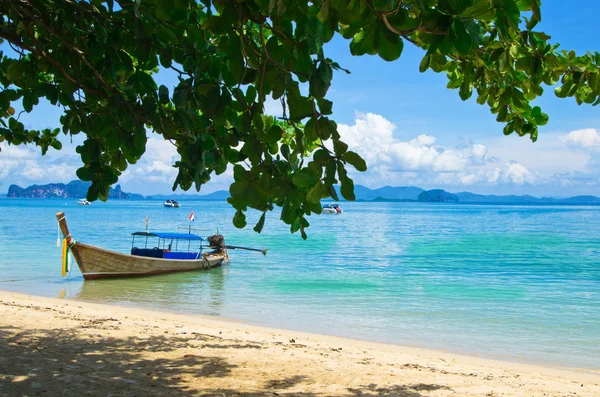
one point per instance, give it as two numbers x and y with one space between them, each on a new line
78 189
387 192
471 198
74 189
413 193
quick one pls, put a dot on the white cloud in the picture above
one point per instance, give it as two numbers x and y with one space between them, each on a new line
160 150
25 164
511 173
154 172
515 173
155 166
13 152
588 138
490 164
419 160
373 137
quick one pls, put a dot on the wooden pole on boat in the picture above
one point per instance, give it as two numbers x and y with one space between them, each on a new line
233 247
62 223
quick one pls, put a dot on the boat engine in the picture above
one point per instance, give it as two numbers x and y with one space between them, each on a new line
217 241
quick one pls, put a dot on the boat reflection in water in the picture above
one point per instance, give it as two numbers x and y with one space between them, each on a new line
199 292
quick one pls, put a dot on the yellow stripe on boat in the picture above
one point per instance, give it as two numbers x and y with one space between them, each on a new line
64 257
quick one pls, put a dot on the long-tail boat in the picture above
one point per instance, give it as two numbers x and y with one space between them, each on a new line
171 253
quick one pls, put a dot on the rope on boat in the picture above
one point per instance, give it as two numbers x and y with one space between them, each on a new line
68 243
70 267
207 264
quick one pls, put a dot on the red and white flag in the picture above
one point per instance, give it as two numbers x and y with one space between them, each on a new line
191 217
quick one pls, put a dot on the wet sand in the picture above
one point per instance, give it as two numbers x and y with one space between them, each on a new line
57 347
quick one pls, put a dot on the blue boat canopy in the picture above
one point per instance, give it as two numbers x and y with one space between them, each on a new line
175 236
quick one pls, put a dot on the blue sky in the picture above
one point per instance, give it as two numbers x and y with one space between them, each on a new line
411 129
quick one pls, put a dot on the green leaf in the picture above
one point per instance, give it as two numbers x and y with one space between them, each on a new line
250 94
512 13
347 189
310 131
326 128
84 174
238 189
504 61
164 9
535 9
366 41
339 147
180 96
481 9
325 72
424 63
315 33
260 224
325 106
274 133
302 179
317 87
239 219
460 6
314 195
354 159
15 70
163 95
525 64
166 36
333 193
390 46
463 42
466 90
300 107
321 156
540 118
509 128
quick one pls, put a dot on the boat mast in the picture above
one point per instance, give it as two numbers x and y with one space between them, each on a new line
62 223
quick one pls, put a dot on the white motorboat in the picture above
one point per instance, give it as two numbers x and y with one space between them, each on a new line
83 202
172 204
332 209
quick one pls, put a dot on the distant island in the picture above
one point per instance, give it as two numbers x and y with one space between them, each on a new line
416 194
74 189
78 189
437 196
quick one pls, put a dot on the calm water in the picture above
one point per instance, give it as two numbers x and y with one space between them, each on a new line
519 283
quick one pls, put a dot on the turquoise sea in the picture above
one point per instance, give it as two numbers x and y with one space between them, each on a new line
511 282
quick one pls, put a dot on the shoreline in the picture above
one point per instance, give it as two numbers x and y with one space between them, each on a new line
53 344
474 354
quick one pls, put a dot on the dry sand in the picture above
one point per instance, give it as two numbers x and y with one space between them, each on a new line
70 348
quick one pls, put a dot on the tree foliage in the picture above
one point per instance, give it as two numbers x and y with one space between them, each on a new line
97 61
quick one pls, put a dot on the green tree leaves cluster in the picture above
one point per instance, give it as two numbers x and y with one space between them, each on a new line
97 61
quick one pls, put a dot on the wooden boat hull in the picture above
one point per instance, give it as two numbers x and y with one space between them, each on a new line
97 263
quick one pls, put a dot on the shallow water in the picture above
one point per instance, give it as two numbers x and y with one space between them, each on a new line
512 282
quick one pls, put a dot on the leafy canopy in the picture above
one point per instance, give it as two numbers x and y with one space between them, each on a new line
97 60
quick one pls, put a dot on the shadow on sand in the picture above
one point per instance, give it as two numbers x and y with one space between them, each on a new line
81 362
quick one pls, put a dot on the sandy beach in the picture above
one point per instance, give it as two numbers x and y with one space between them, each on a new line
57 347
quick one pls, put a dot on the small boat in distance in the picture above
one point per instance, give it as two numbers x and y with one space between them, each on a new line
332 209
83 202
172 204
161 253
